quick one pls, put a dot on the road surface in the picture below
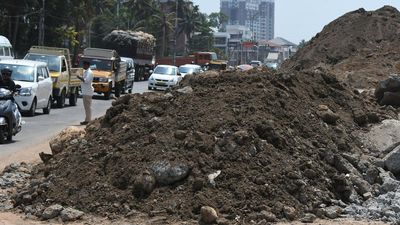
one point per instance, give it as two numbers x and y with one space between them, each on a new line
38 130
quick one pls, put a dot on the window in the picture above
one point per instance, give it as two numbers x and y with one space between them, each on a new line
7 51
1 51
39 73
45 73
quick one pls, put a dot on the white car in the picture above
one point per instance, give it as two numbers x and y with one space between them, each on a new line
190 69
164 77
36 85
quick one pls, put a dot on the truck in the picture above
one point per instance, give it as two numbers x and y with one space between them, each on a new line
109 72
198 58
138 45
64 77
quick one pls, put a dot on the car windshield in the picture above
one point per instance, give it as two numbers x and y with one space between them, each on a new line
53 62
186 69
98 64
19 72
165 70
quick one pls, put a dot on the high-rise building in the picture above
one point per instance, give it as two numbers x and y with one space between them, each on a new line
257 15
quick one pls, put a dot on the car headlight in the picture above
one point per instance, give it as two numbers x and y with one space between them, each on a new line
25 91
172 80
151 78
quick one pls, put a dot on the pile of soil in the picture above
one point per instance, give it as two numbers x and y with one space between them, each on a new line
263 132
278 145
361 47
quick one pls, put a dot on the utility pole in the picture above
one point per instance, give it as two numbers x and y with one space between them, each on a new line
41 25
175 30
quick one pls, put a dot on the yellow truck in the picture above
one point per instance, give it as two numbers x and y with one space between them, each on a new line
64 77
109 72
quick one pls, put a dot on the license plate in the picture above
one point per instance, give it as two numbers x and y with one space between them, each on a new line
160 83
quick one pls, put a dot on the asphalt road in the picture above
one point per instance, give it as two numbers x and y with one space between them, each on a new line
39 129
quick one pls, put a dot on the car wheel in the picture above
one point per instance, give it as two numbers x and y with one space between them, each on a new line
149 88
9 137
2 136
48 107
61 100
32 110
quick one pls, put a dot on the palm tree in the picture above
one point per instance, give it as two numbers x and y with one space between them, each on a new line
167 26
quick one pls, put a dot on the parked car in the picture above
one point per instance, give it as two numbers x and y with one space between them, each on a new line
164 77
6 50
190 69
130 74
36 85
272 65
255 63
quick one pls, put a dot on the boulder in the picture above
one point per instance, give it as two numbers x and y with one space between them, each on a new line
208 215
52 212
70 214
392 84
185 90
390 98
167 173
392 161
333 212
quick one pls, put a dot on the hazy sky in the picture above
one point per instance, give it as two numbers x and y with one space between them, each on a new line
302 19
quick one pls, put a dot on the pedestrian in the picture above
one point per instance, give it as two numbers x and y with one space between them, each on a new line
87 91
5 80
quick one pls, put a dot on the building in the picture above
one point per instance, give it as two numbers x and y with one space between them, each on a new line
257 15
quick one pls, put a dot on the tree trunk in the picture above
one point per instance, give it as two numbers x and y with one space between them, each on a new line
14 37
163 42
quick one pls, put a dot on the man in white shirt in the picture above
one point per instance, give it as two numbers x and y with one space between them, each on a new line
87 91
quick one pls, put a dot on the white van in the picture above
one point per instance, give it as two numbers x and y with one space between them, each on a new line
6 51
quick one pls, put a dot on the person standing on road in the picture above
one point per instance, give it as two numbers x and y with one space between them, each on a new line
87 91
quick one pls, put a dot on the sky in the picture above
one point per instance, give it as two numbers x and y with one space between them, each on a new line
296 20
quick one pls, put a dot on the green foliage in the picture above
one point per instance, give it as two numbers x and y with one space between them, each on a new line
80 23
302 44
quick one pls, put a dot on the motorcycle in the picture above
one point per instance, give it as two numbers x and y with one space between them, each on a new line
10 117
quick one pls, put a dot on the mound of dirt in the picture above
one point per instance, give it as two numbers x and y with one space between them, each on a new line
361 47
241 143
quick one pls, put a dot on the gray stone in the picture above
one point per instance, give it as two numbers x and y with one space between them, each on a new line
345 166
185 90
180 134
392 160
389 183
333 212
167 173
308 218
360 185
70 214
329 117
52 212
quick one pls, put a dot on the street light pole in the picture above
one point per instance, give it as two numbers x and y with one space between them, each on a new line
175 30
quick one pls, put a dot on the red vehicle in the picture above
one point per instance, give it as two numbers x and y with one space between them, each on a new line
199 58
